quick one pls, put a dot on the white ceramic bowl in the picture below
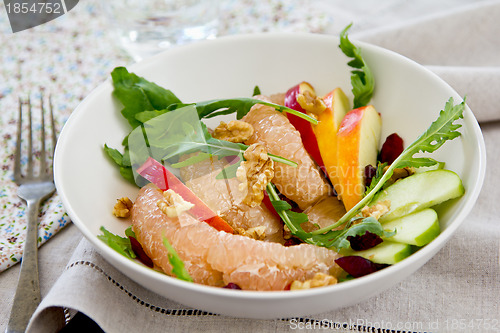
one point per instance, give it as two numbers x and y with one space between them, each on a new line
408 96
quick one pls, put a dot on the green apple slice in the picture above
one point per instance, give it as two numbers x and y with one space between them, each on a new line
416 229
419 191
386 252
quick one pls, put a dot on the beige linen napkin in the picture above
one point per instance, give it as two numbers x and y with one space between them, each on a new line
461 45
457 291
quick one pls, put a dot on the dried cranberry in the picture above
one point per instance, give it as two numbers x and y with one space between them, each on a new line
231 285
370 172
364 242
292 241
141 255
358 266
391 149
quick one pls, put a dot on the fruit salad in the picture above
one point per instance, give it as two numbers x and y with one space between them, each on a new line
291 190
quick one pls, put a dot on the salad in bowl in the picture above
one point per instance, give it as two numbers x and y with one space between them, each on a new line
252 177
297 191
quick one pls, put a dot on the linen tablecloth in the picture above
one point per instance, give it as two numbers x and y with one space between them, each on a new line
458 290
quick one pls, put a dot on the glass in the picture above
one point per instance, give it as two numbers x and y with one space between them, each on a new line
146 27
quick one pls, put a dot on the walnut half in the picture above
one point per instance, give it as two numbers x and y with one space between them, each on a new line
319 280
122 207
311 103
254 174
400 173
173 204
258 233
234 131
377 210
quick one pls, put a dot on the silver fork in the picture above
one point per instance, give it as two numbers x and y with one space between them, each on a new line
34 188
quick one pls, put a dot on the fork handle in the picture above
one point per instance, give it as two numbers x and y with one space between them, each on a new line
27 295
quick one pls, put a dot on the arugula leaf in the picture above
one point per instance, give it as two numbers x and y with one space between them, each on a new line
180 132
293 220
120 244
118 158
130 233
440 131
114 154
357 226
369 224
144 101
256 91
178 268
331 238
138 94
192 160
122 161
240 106
128 174
378 175
145 116
362 79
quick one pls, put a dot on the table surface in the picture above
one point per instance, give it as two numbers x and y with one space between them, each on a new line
73 54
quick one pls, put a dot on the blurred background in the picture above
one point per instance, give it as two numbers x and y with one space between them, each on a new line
87 46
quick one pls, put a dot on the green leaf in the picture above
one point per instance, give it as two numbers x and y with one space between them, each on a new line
293 220
280 205
127 174
178 268
297 218
330 238
144 116
130 233
118 243
256 91
138 94
378 176
240 106
114 154
440 131
368 224
191 160
180 132
144 101
362 80
126 157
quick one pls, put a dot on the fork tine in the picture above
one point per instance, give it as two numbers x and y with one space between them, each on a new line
30 142
43 162
33 190
17 156
53 126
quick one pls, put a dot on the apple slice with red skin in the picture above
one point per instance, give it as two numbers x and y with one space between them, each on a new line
157 174
357 146
303 126
337 105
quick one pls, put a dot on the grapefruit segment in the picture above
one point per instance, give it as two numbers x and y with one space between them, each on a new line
303 184
156 173
218 258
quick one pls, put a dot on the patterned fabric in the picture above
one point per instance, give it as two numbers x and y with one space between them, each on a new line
61 59
70 56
